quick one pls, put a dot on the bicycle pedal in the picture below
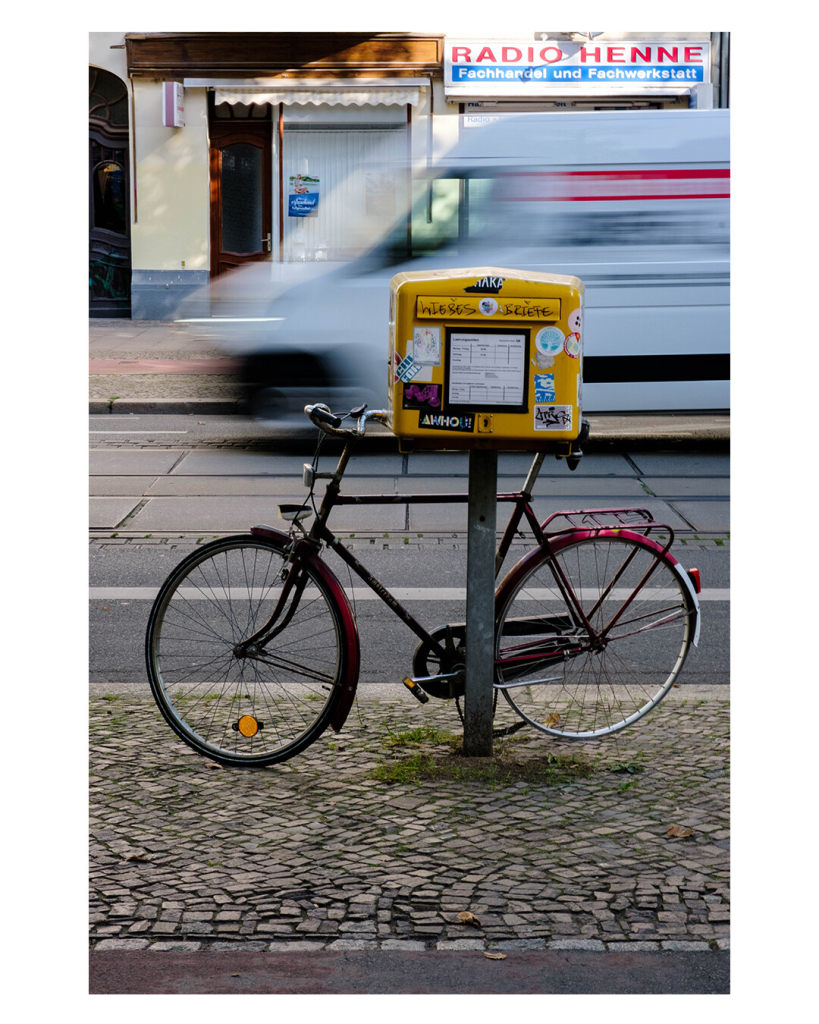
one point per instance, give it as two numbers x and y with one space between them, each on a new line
415 690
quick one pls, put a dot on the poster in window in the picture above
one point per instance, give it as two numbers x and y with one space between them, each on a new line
303 197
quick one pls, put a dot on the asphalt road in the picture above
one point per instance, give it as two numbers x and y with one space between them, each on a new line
378 972
118 622
162 484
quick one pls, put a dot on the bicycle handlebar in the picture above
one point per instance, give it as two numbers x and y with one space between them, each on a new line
326 420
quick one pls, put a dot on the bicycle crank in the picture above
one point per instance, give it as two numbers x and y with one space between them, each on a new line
441 677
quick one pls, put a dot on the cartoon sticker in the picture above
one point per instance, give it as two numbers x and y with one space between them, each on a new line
575 321
553 417
572 346
488 306
426 346
549 340
425 397
544 387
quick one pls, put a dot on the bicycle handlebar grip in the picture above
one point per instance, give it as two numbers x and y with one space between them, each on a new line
320 413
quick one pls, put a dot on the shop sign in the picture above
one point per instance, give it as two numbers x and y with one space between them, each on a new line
303 195
515 67
173 105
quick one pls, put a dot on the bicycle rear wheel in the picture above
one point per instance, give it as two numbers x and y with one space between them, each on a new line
239 710
553 672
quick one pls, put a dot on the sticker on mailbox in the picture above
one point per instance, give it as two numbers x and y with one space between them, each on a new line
572 346
553 417
549 340
425 397
464 424
575 321
544 387
426 346
406 369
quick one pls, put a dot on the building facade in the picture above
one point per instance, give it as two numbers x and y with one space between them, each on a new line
208 151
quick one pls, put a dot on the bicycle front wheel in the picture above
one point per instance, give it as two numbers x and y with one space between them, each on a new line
241 709
571 681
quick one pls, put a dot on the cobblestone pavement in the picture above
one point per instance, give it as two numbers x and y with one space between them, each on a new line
547 844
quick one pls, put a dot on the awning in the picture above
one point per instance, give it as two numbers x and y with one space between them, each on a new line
334 92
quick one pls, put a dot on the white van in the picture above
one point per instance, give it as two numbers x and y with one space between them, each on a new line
635 203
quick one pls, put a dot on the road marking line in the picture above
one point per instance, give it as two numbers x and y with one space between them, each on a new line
137 431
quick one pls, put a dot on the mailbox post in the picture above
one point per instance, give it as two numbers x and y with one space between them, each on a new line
480 604
484 360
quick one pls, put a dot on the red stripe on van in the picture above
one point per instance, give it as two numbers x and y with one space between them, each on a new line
597 186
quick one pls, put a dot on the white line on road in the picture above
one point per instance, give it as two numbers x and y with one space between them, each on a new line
365 594
137 431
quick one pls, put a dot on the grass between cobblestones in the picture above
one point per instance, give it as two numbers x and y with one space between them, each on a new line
385 832
447 762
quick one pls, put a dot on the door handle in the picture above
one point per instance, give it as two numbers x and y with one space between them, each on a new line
268 241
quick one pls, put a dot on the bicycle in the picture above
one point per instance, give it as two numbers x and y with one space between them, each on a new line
252 647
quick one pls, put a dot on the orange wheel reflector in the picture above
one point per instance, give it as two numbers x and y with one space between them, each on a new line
248 726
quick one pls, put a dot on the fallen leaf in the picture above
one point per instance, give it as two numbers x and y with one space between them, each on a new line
467 917
495 956
201 423
213 765
235 975
553 718
105 607
679 831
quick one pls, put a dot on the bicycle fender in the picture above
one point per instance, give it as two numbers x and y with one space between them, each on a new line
352 660
521 567
349 628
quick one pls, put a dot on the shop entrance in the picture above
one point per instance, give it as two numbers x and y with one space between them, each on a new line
241 190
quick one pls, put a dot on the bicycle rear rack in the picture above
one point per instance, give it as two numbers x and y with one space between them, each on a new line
639 520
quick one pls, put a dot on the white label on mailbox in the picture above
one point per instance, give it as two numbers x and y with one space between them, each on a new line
486 369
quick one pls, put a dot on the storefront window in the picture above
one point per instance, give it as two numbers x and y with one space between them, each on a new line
354 178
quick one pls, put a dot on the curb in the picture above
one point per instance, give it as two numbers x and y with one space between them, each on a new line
476 945
124 406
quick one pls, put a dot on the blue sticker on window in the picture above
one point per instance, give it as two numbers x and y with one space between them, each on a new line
544 387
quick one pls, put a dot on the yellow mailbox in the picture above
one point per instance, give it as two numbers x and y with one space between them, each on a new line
485 358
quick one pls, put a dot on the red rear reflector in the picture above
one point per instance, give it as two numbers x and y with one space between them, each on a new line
694 575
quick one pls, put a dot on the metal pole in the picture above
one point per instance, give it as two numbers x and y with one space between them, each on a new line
480 602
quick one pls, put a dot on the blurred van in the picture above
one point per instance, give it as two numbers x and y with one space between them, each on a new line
635 203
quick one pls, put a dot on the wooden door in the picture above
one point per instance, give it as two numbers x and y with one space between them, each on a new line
240 194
